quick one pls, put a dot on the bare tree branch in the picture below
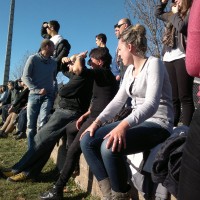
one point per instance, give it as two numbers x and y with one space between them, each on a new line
142 12
18 69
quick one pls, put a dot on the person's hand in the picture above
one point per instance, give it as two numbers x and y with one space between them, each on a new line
117 137
42 91
66 60
82 54
91 129
45 25
164 1
79 122
175 8
118 78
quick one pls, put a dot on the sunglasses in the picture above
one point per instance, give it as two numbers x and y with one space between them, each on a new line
120 25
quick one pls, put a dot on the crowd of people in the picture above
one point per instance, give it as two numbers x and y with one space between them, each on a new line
92 107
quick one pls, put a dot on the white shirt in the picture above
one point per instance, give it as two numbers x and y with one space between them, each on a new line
56 39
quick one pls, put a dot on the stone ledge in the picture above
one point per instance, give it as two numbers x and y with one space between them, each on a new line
85 179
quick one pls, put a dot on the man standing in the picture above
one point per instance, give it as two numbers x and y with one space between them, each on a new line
74 101
118 68
40 76
62 47
101 40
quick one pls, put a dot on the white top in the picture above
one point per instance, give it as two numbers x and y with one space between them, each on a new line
173 54
151 96
56 39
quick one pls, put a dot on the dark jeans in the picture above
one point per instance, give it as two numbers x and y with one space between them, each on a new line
73 155
104 163
189 181
46 138
22 121
182 91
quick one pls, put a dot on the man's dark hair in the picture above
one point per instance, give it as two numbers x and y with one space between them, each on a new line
101 53
55 25
103 37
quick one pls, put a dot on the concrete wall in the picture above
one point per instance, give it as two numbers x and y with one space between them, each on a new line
85 179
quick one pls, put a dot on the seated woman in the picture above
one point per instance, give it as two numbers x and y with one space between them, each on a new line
146 82
14 110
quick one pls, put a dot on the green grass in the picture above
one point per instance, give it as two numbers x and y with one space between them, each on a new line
11 151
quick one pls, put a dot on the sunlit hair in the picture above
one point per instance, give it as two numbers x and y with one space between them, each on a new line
136 35
46 42
185 6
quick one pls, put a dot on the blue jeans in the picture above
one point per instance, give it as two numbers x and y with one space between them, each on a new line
38 105
104 163
35 158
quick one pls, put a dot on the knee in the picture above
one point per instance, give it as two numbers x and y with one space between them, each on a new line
105 152
84 143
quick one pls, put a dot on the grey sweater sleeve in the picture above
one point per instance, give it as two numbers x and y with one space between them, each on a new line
27 74
147 91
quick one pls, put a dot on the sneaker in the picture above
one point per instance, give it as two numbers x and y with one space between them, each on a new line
21 135
5 173
54 193
16 133
18 177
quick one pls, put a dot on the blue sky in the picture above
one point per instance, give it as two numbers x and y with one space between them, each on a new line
80 22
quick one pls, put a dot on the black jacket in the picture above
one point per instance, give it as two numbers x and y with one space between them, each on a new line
20 101
76 94
179 24
166 167
61 50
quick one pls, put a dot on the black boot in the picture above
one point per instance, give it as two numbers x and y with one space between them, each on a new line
21 135
55 193
3 134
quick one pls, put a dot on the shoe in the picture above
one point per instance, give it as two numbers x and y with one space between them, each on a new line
5 173
18 177
21 135
3 134
16 133
54 193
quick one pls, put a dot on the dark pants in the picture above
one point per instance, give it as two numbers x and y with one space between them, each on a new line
182 91
73 155
22 121
46 138
189 181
